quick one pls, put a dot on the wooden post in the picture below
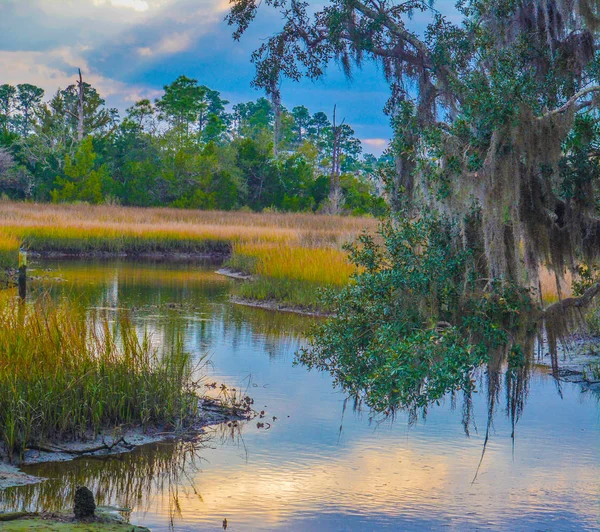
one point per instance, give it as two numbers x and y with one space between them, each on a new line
22 273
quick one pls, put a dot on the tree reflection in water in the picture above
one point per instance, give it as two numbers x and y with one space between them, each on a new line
125 481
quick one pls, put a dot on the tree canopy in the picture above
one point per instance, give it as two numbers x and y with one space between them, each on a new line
488 112
189 148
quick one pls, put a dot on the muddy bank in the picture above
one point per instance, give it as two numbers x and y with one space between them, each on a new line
279 307
217 255
577 361
119 441
107 519
235 274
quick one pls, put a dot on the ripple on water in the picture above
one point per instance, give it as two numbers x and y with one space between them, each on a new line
325 467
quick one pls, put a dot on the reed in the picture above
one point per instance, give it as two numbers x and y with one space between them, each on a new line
65 374
9 251
289 275
85 227
326 266
291 254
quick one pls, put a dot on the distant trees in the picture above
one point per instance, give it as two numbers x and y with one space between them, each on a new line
187 149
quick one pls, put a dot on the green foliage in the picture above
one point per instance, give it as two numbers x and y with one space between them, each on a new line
185 150
83 180
416 321
586 277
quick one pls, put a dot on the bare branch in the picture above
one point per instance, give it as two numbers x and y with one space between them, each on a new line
573 100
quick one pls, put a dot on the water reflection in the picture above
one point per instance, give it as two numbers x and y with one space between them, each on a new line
320 467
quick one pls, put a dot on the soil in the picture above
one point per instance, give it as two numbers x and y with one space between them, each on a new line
111 443
279 307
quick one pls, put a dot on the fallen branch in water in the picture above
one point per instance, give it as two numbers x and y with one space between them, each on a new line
103 447
582 301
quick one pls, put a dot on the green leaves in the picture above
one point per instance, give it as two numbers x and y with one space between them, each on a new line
415 322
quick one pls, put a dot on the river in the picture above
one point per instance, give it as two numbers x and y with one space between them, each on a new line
318 463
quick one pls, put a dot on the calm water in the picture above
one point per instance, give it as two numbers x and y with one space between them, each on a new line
321 465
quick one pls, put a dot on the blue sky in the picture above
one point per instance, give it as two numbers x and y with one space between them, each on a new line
129 49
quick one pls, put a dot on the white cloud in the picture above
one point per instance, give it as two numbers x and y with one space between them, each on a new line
136 5
376 144
58 68
168 45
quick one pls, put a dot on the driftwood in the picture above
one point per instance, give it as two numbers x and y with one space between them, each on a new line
79 452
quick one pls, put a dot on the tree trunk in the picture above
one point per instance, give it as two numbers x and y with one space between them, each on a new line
335 156
80 110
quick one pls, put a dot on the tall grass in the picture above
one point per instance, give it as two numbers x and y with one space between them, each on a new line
9 251
292 254
289 275
67 375
327 266
119 227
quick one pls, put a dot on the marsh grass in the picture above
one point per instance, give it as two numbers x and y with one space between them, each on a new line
291 254
290 275
66 375
83 227
9 251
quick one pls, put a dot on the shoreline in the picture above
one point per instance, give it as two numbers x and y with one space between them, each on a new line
109 443
277 306
578 362
182 256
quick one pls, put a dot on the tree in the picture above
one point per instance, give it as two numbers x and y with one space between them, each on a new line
182 103
142 114
213 113
29 97
83 180
7 161
8 105
251 119
301 122
317 126
481 109
488 109
83 109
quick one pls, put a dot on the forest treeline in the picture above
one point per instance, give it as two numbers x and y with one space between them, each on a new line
188 149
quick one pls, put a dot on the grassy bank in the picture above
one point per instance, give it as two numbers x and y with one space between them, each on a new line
64 375
290 275
9 251
291 255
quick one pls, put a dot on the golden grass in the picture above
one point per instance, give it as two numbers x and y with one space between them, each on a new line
64 373
305 248
9 251
327 266
549 288
77 222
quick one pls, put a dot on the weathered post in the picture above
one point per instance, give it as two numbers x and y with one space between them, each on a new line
22 273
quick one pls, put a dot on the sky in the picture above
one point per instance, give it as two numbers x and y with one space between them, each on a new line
129 49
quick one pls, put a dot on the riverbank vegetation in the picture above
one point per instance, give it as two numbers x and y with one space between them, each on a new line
188 149
488 152
68 375
290 255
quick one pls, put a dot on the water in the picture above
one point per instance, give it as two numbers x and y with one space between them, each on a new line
321 465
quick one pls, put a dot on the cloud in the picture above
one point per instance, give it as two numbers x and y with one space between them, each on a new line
136 5
58 68
168 45
127 48
376 144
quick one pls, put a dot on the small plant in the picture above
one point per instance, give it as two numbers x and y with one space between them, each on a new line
587 276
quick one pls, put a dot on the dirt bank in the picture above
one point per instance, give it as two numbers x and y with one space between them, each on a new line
118 441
